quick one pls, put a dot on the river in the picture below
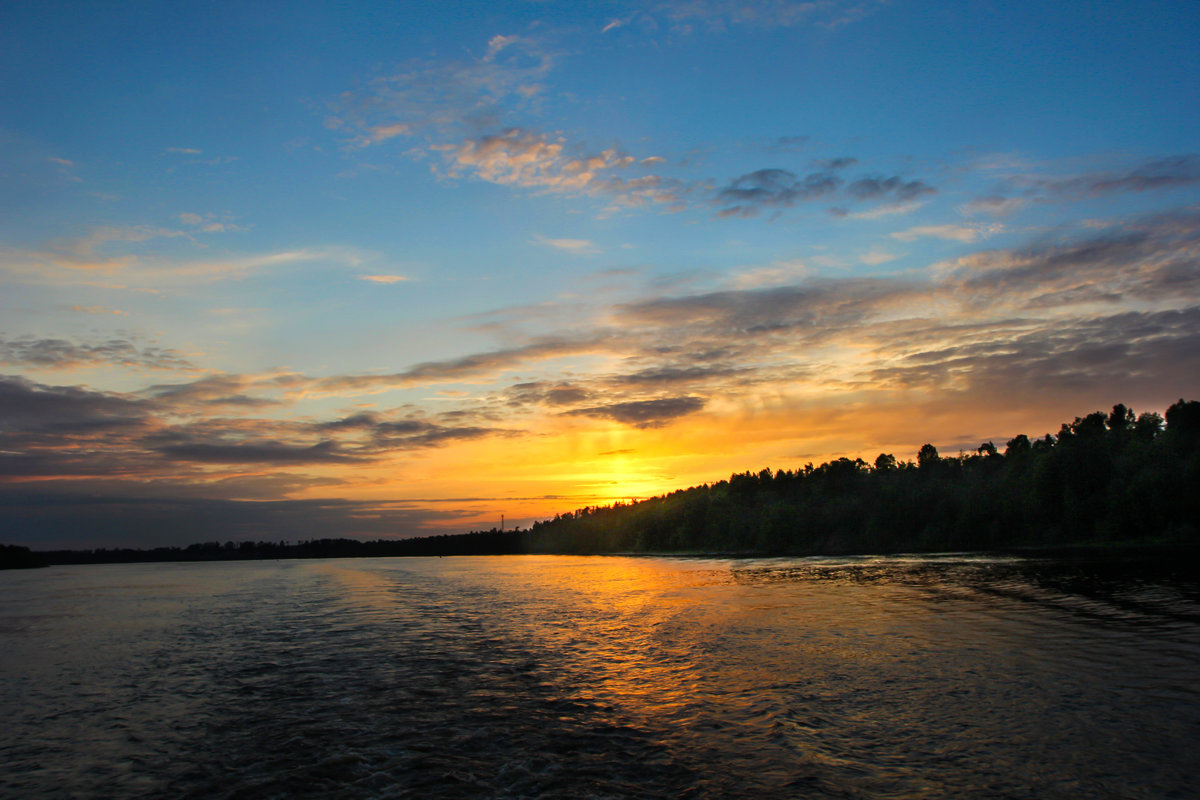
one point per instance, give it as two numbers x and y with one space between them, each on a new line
603 677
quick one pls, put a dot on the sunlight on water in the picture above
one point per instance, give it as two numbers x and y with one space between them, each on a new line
547 676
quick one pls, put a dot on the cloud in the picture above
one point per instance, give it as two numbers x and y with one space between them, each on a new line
387 279
835 163
534 160
64 354
209 223
1152 175
443 99
957 233
894 189
788 144
644 413
265 452
403 434
381 133
546 393
996 205
575 246
776 274
1070 355
876 257
748 194
719 15
115 252
26 406
1156 259
464 112
100 310
191 151
775 188
470 367
212 390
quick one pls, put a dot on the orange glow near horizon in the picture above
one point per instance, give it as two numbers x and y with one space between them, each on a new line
572 464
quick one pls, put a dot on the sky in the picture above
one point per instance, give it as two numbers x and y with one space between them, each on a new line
287 270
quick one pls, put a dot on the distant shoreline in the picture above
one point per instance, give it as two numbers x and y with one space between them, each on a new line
1096 550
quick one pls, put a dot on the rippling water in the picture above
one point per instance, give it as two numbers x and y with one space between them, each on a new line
601 677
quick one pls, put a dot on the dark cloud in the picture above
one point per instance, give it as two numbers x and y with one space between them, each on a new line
719 15
835 163
738 316
788 144
213 390
1162 173
772 188
695 375
1158 174
547 393
893 189
414 433
26 406
389 435
1151 259
350 423
466 367
777 189
644 413
1147 354
63 354
252 452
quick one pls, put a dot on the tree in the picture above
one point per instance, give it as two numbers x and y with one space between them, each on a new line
1148 425
927 456
1017 445
1121 418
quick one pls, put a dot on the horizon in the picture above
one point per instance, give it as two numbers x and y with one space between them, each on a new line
398 271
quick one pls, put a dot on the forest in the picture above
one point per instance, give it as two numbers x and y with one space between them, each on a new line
1115 479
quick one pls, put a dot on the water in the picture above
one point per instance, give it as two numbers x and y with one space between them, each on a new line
527 677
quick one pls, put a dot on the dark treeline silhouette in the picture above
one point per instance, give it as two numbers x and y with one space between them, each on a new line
13 556
491 542
1102 479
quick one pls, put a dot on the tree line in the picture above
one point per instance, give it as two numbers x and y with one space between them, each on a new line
1103 478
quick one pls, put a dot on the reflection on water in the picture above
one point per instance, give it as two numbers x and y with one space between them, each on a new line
602 677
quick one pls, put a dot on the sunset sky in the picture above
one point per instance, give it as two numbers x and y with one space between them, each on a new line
298 269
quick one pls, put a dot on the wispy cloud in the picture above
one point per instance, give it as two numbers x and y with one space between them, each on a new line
386 279
113 251
958 233
46 353
1023 185
643 413
100 310
719 15
575 246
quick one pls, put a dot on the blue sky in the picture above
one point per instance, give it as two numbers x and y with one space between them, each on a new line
423 264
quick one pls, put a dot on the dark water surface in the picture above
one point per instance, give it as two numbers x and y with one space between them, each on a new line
534 676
